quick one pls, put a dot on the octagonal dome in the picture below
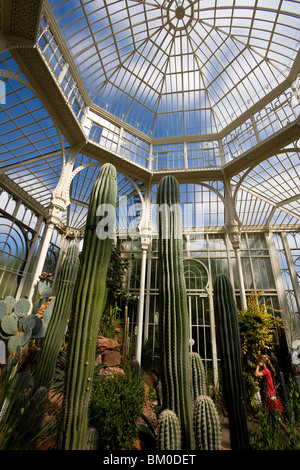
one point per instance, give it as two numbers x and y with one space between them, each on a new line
179 67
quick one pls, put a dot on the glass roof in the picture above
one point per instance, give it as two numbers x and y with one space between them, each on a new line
185 72
179 67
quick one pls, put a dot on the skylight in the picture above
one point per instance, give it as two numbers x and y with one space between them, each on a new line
180 67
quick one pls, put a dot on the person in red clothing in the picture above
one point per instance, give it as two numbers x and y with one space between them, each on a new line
265 369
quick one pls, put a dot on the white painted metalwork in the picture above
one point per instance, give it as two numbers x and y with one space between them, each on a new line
207 91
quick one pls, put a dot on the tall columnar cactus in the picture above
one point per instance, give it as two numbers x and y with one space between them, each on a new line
60 315
198 376
228 340
87 308
173 317
168 431
207 426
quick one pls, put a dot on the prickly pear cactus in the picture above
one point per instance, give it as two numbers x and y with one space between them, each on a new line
18 326
12 327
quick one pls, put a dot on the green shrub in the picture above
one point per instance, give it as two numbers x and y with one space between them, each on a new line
115 405
256 328
267 434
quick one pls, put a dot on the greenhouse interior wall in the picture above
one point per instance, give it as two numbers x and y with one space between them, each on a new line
269 261
208 94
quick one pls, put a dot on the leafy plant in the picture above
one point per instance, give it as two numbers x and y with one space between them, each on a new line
146 433
115 405
267 434
256 326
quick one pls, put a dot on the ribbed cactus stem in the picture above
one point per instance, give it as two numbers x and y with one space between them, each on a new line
207 426
173 315
87 308
168 431
92 439
229 348
60 315
198 376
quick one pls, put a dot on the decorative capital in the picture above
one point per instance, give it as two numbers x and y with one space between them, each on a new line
233 230
145 234
54 215
59 201
73 233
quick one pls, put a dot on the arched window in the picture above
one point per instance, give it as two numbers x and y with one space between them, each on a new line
13 255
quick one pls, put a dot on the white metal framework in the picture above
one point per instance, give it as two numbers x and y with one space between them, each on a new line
206 90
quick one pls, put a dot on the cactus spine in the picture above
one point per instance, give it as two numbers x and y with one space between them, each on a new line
87 307
198 376
61 312
168 431
173 317
207 427
228 339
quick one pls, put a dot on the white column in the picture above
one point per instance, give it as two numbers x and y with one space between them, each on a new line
233 229
59 201
64 243
56 209
213 334
138 349
185 158
235 238
292 269
29 257
277 273
147 304
240 278
41 257
150 160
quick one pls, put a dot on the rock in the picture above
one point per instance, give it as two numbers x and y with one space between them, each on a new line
111 371
111 357
98 360
146 391
55 402
106 343
139 445
150 379
115 370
